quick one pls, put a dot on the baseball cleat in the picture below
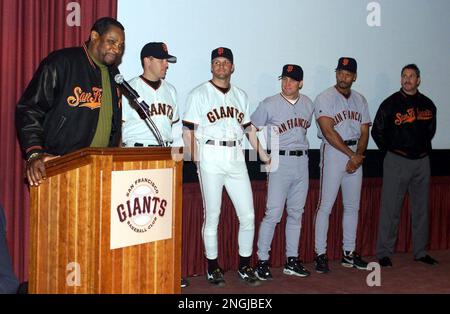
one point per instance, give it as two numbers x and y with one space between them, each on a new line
247 274
322 264
352 259
262 271
295 268
216 277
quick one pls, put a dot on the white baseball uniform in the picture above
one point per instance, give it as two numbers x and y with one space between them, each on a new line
220 118
163 111
348 115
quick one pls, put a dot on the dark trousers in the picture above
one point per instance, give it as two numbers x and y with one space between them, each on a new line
401 175
8 280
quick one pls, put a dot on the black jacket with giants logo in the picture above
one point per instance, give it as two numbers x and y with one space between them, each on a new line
59 110
405 125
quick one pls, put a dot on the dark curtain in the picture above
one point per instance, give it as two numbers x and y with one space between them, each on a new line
30 29
193 262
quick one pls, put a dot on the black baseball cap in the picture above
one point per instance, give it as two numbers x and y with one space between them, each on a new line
293 71
348 64
222 52
158 51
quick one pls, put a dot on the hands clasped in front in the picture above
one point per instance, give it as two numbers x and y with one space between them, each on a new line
354 163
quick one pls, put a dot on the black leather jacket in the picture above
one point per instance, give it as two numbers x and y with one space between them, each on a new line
405 125
58 112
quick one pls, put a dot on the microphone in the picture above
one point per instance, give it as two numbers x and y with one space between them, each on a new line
119 80
143 108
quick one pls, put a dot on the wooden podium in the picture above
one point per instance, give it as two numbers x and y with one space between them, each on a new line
70 218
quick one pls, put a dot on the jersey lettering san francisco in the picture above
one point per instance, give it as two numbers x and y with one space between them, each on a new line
286 120
218 115
163 111
348 113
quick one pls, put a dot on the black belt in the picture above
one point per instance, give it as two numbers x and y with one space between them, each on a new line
142 145
291 152
223 143
351 142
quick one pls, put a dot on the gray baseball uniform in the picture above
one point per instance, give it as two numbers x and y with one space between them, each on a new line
348 115
288 185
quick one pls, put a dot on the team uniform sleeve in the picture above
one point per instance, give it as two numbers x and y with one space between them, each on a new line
365 112
260 116
126 109
322 107
310 105
176 116
246 122
192 113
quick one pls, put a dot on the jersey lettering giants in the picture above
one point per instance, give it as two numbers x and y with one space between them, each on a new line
225 112
217 115
161 109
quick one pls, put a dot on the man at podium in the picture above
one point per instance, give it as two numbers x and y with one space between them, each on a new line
72 101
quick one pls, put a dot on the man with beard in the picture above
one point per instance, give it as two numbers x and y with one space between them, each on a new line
403 127
343 120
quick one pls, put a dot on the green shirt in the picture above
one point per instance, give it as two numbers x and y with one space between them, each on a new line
103 132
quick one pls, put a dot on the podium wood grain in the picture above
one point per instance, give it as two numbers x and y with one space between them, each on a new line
70 223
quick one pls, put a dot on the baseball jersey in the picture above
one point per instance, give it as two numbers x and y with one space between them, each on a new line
163 111
218 115
286 120
348 113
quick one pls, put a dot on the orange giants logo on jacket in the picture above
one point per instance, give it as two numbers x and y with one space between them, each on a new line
80 98
408 117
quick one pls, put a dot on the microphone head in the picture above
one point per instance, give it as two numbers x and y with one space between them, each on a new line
118 78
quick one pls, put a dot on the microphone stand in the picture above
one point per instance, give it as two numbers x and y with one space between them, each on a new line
142 108
143 111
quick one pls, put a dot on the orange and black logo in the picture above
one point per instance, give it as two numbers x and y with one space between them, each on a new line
345 61
408 117
424 115
220 51
290 68
80 98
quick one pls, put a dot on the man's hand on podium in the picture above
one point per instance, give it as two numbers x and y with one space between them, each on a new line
36 168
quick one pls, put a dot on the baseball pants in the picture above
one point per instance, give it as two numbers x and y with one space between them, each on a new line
333 176
399 176
288 185
222 166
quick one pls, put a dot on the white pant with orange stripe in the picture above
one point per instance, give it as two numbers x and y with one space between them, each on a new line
225 166
333 176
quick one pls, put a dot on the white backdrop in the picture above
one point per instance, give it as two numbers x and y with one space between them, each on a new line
265 34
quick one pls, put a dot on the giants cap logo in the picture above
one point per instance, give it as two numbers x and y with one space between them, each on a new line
290 68
345 62
220 51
